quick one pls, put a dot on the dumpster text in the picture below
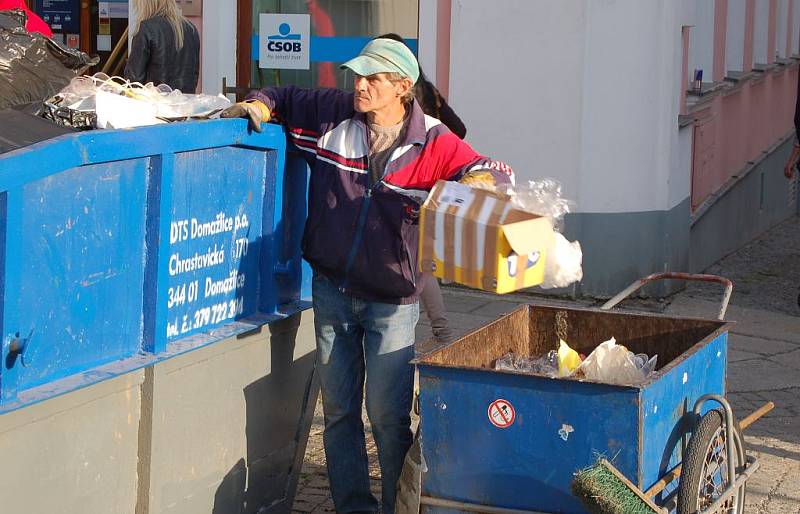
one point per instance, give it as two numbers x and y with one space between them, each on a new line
223 246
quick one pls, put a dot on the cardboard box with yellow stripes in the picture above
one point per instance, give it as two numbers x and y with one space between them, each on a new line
477 238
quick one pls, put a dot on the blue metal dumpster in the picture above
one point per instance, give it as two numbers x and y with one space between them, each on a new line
122 249
514 440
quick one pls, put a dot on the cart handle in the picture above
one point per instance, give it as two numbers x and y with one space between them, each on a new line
671 275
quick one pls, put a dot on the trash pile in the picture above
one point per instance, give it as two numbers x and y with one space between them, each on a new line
32 66
100 101
610 363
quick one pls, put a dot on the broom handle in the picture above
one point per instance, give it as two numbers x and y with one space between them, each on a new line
754 416
676 471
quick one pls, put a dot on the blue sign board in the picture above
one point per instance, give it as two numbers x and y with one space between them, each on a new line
62 15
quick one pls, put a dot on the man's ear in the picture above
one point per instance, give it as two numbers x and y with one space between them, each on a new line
405 87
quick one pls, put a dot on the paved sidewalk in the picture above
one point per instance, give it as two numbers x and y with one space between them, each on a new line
764 358
764 363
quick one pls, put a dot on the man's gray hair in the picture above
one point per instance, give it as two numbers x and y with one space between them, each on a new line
395 77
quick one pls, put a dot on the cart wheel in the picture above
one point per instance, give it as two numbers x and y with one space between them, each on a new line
705 467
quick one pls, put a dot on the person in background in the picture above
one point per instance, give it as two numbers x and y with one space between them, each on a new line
165 47
34 23
323 27
432 101
434 104
788 170
374 156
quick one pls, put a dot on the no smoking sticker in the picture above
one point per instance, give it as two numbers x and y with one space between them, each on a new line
501 413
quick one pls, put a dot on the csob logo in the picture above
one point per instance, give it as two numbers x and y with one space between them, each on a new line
284 41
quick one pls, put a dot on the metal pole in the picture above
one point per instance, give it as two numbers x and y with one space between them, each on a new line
472 507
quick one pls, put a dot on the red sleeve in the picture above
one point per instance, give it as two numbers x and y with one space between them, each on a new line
458 158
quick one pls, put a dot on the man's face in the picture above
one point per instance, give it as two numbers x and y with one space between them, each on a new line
376 92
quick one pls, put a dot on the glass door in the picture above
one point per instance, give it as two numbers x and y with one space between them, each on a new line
339 29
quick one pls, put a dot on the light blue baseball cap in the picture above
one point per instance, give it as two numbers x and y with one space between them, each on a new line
385 56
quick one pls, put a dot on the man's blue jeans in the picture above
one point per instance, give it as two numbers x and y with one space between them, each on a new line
357 339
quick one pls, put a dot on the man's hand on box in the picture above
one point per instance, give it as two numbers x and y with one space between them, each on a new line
479 178
255 111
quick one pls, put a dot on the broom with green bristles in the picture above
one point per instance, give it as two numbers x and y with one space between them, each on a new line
603 489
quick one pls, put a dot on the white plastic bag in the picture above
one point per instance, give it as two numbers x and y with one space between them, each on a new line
614 364
117 111
562 266
564 258
121 104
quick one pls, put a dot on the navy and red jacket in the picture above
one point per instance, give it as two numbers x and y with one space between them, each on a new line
364 236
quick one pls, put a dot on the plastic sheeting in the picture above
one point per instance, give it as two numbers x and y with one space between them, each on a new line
19 129
32 66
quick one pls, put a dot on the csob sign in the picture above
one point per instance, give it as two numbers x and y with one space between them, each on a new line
284 41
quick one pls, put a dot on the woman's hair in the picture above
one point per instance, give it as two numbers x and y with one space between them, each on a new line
146 9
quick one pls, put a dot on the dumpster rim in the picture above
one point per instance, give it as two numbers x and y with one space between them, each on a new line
724 327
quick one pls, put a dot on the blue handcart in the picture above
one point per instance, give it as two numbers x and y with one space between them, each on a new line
505 442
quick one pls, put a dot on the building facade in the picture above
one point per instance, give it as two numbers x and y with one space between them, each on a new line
666 172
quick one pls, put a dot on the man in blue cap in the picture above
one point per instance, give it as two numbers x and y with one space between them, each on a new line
374 156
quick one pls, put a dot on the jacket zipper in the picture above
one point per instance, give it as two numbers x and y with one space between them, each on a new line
362 221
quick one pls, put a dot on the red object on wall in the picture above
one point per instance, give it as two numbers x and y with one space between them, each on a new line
35 23
323 26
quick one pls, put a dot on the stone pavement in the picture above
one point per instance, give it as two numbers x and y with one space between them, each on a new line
764 363
764 358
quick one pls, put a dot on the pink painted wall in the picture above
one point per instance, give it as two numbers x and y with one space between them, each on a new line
737 127
443 15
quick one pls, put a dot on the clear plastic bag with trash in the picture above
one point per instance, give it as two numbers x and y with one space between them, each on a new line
555 363
118 103
612 363
546 364
544 197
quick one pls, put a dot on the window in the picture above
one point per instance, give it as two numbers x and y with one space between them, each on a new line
794 37
348 24
761 32
701 41
783 30
734 40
